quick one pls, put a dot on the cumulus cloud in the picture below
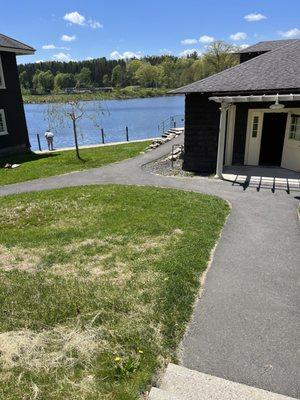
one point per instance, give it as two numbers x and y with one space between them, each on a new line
291 34
67 38
52 47
62 57
165 51
116 55
189 41
238 36
78 19
206 39
254 17
243 46
188 52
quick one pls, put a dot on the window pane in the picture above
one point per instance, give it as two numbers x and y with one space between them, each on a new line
295 127
255 126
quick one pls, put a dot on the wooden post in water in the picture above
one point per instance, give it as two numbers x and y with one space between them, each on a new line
102 135
127 136
39 142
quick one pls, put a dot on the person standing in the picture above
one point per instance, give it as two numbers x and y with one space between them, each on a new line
49 137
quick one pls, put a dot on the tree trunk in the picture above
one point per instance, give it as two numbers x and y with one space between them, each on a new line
75 138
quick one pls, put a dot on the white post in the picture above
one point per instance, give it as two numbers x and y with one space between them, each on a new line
221 141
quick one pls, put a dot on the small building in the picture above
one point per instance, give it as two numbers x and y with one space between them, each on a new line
13 128
248 114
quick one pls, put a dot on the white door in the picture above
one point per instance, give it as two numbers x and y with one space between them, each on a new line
291 148
255 121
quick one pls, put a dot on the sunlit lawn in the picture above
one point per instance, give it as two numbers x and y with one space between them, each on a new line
96 287
35 165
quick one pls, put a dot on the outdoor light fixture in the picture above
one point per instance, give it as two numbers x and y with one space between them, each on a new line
276 105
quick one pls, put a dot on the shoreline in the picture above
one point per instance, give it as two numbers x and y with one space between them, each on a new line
121 94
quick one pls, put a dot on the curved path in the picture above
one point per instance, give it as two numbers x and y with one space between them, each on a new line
244 326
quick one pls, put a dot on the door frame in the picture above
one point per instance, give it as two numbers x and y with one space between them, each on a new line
252 148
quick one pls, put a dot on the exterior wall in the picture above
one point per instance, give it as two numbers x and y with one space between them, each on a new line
248 56
202 119
11 101
240 130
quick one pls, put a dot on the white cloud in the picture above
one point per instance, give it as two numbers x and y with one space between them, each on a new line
243 46
95 24
39 61
165 51
238 36
206 39
188 52
67 38
291 34
254 17
115 55
62 57
75 18
189 41
52 47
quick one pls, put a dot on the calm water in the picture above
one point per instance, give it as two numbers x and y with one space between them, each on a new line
142 117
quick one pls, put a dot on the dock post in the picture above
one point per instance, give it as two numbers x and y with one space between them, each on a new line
39 142
127 136
102 135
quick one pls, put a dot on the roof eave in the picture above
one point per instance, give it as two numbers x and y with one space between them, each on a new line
19 52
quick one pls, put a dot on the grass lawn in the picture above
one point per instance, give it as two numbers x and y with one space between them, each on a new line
96 287
60 162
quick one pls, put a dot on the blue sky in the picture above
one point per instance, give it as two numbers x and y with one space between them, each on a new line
78 30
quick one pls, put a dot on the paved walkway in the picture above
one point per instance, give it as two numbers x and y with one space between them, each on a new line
245 325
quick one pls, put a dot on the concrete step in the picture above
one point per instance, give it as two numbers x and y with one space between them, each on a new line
193 385
159 394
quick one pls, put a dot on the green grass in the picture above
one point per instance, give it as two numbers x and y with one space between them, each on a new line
96 287
35 166
122 94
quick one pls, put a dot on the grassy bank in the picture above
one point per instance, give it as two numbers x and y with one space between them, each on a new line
116 94
35 166
96 287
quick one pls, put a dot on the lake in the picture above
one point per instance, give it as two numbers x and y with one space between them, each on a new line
142 116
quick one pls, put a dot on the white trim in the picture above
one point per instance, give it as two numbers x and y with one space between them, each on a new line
19 52
5 132
2 76
221 140
230 135
253 98
260 112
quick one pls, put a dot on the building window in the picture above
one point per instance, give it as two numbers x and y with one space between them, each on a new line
2 82
295 127
3 126
255 126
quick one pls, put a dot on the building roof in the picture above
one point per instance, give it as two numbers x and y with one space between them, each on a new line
267 46
277 69
14 46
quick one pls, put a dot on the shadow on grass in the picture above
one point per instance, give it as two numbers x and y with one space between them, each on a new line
23 158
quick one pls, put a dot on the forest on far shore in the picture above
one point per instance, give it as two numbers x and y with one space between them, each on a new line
165 71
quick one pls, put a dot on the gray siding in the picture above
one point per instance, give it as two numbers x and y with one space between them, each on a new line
11 102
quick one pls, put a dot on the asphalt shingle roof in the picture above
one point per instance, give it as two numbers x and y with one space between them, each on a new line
267 46
8 42
274 70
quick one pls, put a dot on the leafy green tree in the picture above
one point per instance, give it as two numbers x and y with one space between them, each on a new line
35 79
84 78
46 81
64 81
106 80
24 80
219 56
147 75
131 68
118 76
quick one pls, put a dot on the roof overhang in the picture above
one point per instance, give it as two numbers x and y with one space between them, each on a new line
19 52
255 98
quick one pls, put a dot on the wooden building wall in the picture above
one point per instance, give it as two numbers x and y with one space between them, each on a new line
11 102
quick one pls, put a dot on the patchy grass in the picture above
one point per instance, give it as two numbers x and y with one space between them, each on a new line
35 165
96 287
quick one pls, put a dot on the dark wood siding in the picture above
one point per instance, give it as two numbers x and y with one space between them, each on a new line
240 131
11 102
201 133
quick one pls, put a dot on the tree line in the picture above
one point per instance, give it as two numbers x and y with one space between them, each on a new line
165 71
